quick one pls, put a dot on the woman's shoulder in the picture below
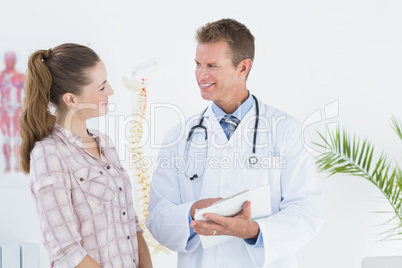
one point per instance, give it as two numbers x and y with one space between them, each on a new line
46 147
45 161
47 141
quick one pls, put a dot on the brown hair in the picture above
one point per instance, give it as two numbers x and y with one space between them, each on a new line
238 36
51 73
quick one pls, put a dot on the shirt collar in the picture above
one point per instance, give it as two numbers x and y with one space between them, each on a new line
240 112
71 137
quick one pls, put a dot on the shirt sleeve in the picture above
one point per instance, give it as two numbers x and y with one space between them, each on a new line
259 243
51 191
192 233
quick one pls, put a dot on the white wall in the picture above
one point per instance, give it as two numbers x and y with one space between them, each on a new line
308 54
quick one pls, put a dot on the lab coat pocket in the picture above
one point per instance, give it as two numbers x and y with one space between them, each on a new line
262 170
95 186
257 171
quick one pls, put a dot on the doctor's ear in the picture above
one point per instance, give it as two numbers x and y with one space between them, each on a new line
69 99
244 67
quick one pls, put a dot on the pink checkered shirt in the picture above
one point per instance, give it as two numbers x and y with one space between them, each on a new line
85 204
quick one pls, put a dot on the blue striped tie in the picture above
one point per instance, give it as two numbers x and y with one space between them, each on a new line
229 124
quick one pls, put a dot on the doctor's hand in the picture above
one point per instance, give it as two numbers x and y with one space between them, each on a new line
203 203
240 225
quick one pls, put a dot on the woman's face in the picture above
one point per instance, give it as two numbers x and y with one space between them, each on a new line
93 101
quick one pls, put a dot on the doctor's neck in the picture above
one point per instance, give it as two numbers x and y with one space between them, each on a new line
230 103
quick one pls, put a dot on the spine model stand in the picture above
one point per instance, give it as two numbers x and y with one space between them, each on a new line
141 173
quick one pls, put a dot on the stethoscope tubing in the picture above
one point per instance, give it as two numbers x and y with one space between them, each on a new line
257 113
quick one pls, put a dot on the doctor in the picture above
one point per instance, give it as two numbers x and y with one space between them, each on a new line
238 143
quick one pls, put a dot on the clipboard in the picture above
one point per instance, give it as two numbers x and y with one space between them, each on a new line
230 206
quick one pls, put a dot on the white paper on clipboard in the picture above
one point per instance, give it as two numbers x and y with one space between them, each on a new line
231 206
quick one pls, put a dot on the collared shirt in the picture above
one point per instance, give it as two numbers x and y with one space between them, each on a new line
240 112
85 204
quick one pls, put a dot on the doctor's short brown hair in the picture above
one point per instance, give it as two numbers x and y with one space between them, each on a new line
238 36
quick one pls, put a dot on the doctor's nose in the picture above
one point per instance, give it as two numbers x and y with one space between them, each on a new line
201 72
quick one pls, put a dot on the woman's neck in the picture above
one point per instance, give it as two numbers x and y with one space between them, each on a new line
77 127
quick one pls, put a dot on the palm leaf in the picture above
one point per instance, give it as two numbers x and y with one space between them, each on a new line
353 156
397 126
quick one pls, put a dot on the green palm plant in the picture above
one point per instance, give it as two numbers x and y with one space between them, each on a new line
350 155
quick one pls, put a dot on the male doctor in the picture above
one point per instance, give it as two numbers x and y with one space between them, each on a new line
231 153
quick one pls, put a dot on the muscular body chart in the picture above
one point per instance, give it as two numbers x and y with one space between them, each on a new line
11 95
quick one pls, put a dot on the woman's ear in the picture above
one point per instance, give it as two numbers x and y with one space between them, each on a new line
69 99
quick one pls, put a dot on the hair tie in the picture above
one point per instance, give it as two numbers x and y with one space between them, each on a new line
46 55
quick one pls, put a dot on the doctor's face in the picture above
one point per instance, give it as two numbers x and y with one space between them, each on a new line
217 77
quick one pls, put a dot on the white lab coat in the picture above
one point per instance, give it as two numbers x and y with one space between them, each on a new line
295 197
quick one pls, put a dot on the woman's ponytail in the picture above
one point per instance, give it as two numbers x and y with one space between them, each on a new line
36 121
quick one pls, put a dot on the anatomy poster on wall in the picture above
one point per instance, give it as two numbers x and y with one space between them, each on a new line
11 96
13 64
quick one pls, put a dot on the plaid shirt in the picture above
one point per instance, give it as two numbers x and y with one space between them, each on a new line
85 204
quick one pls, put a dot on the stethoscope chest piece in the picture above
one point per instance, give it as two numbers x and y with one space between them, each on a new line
253 160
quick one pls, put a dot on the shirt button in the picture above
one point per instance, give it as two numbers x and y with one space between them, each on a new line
107 167
124 213
134 260
128 237
81 179
120 188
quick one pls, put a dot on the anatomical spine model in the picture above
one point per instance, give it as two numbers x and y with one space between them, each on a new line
141 173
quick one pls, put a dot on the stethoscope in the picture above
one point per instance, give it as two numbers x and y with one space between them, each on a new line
252 159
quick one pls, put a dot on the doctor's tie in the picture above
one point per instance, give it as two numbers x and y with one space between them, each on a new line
229 124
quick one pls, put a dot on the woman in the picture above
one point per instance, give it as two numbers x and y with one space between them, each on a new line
83 194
